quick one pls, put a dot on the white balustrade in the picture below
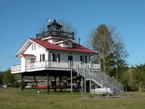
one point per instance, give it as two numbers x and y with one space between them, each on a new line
16 68
51 64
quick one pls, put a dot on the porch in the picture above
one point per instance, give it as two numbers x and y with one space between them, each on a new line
49 65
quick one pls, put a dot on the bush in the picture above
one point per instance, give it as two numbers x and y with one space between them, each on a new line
24 84
36 86
32 86
12 85
64 84
16 84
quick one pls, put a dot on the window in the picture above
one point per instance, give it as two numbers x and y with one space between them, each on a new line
54 57
40 58
58 57
81 58
85 59
49 57
43 59
66 43
32 46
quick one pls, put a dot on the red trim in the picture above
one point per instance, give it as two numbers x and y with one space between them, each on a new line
51 87
31 55
41 87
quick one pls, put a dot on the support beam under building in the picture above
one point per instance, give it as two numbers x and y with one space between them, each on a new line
60 82
90 85
22 82
71 77
34 79
85 80
82 83
47 83
55 83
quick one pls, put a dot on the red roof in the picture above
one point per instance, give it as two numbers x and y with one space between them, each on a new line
75 48
31 55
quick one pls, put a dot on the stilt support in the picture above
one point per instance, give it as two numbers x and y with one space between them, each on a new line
60 82
22 82
90 85
47 83
85 81
71 78
55 83
82 83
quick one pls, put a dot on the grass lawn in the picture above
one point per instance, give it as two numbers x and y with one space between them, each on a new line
13 98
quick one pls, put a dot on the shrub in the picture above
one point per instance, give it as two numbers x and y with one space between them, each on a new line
32 86
36 86
16 84
24 84
12 85
64 84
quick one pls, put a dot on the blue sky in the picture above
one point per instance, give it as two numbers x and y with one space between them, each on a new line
20 20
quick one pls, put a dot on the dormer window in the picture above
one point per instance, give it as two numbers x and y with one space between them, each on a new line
66 43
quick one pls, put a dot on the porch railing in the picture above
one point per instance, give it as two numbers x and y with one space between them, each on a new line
16 68
50 64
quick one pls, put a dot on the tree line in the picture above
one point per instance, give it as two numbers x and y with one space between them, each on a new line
9 79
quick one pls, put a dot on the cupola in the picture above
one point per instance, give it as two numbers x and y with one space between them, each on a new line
54 26
55 30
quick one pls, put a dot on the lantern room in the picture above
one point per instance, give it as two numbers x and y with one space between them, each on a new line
55 30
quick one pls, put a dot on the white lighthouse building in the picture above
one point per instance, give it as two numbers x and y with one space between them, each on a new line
56 53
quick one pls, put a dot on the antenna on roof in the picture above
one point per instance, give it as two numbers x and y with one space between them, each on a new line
79 42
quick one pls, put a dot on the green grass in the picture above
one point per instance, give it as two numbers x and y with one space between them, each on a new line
13 98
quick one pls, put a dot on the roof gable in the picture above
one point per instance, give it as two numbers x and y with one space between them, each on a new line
47 45
25 46
75 48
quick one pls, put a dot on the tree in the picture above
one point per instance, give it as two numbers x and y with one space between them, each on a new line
8 77
100 40
119 51
110 63
139 74
67 26
1 78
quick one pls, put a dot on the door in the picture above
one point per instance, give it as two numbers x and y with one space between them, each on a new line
70 59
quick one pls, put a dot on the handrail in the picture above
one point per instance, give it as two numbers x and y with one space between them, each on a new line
108 82
115 80
54 33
